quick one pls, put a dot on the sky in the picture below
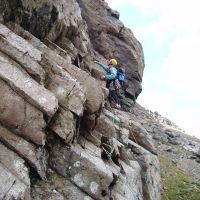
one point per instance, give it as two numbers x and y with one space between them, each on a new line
169 32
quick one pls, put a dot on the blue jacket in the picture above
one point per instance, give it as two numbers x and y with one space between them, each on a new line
111 72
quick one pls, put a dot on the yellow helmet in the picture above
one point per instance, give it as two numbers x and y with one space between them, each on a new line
113 62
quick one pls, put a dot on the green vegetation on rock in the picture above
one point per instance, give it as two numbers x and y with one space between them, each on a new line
177 185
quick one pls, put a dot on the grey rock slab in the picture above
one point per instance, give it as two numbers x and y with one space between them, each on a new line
94 93
14 176
84 167
29 89
124 135
45 192
112 116
69 92
92 90
93 136
57 188
173 133
64 125
106 127
23 52
76 100
150 171
141 136
165 147
24 149
129 185
189 166
20 117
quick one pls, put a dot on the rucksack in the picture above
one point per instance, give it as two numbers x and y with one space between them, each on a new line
121 74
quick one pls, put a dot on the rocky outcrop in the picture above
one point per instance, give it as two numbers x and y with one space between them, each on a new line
111 38
61 22
59 139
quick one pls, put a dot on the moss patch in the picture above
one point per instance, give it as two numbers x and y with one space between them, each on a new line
177 185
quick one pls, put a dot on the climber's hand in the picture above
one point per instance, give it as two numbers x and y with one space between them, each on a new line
103 77
96 61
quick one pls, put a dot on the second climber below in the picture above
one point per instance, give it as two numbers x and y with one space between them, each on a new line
112 83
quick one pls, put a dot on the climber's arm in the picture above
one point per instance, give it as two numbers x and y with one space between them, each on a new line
105 67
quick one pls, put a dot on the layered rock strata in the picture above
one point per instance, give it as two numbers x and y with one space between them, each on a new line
58 138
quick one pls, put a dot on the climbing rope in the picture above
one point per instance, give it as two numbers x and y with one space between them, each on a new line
109 155
123 177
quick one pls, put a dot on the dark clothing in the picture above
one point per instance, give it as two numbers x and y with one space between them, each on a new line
113 85
114 96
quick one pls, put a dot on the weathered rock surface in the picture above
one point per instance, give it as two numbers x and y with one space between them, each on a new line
58 188
29 89
24 149
141 136
64 124
126 186
189 165
110 38
21 51
78 170
52 107
14 176
151 171
20 116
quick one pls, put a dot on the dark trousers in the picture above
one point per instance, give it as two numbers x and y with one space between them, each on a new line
113 95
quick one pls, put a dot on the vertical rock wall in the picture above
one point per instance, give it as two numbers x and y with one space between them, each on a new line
52 115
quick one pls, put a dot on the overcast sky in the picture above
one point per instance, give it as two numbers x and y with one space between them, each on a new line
170 35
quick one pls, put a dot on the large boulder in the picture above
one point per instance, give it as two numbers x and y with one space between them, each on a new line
137 132
64 124
189 166
106 127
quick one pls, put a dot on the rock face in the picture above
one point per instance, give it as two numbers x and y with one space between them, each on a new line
14 175
58 138
110 38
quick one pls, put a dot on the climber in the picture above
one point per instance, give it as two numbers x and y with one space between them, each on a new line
112 83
